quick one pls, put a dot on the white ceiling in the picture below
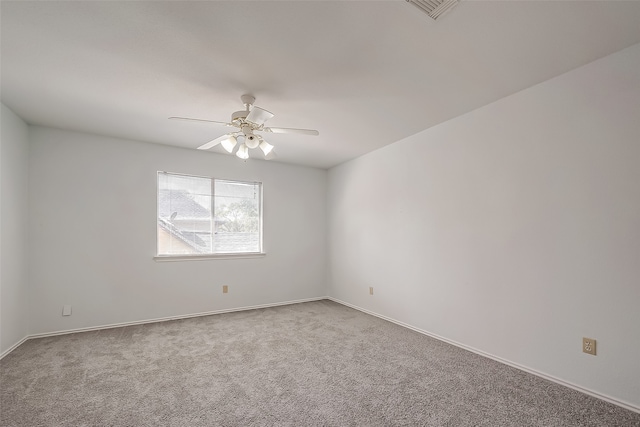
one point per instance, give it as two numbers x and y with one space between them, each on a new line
364 73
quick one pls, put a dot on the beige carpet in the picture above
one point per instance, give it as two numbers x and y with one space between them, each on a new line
311 364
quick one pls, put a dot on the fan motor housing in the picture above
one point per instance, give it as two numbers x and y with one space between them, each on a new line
239 115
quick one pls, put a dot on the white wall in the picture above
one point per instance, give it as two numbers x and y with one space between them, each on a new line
514 229
93 234
14 305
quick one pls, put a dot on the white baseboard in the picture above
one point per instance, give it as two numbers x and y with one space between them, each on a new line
160 319
618 402
13 347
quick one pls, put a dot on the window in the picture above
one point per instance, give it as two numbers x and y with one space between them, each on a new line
206 216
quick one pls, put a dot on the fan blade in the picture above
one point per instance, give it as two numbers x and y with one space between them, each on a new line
259 115
291 130
200 120
215 142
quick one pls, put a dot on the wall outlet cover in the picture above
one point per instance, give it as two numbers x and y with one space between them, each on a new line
66 310
589 346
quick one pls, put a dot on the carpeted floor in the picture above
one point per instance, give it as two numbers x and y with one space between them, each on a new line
311 364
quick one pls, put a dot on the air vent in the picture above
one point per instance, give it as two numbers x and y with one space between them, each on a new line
434 8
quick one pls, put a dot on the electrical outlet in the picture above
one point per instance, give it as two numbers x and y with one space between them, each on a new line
589 346
370 290
225 289
66 310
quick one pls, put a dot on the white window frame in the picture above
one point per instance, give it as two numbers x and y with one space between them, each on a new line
221 255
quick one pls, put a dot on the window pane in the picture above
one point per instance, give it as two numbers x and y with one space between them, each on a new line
184 215
237 217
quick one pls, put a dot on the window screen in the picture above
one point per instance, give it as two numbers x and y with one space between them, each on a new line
201 216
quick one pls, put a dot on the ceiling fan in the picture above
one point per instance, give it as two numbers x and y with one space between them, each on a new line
248 121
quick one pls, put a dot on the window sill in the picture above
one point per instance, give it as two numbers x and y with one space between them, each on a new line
169 258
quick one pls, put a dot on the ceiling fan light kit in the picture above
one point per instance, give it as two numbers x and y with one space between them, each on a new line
249 120
230 143
251 141
265 147
243 152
